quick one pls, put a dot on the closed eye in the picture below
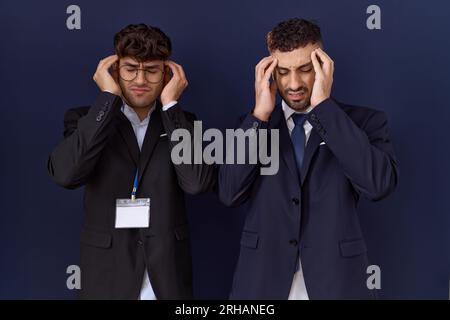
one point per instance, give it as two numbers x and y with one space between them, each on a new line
306 70
283 72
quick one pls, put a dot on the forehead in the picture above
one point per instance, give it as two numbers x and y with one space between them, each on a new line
294 58
148 63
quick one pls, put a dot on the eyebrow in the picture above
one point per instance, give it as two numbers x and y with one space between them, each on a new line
130 64
300 67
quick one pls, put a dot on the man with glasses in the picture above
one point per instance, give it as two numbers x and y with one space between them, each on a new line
134 241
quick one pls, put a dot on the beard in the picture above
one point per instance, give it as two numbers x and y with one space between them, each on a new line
300 104
138 101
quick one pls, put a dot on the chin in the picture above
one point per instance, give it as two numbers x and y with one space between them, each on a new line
140 102
298 105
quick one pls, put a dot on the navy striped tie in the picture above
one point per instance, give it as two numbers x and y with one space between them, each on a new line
298 139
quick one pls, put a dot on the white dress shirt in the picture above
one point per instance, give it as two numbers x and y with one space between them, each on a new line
298 287
140 128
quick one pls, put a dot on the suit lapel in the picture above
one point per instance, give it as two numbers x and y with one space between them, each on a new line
311 147
277 121
127 133
151 138
286 149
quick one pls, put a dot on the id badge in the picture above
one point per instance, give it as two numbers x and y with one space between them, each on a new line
133 213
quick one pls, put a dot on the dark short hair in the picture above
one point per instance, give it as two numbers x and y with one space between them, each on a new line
293 34
142 42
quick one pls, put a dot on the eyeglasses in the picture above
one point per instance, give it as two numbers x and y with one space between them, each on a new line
129 73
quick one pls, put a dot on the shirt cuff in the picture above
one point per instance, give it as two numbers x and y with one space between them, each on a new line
169 105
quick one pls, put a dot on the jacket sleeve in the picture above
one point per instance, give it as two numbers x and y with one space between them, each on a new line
365 153
85 136
193 178
236 180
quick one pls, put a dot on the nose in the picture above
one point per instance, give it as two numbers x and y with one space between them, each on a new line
295 81
140 78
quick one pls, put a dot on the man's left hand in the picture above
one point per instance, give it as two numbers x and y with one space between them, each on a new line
324 76
176 85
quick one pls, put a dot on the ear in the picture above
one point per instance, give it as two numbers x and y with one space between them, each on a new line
322 48
115 71
167 75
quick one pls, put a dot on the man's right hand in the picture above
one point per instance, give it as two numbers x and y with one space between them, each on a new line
103 77
265 90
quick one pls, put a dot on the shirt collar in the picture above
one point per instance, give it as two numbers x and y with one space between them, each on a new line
133 117
288 111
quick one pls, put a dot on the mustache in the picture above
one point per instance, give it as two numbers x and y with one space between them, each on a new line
298 90
134 86
139 88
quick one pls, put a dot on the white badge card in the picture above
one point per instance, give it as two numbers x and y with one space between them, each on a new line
133 213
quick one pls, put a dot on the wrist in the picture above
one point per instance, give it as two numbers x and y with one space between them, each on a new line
318 101
167 106
167 100
111 91
261 115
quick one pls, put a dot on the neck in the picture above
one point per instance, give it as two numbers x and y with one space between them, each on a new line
142 112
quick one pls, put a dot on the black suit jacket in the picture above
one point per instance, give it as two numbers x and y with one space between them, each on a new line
100 152
349 155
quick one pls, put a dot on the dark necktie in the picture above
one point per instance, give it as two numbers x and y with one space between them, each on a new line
298 139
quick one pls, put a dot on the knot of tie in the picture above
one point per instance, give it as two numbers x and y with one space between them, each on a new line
299 118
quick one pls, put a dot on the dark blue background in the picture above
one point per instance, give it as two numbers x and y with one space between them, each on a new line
402 69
